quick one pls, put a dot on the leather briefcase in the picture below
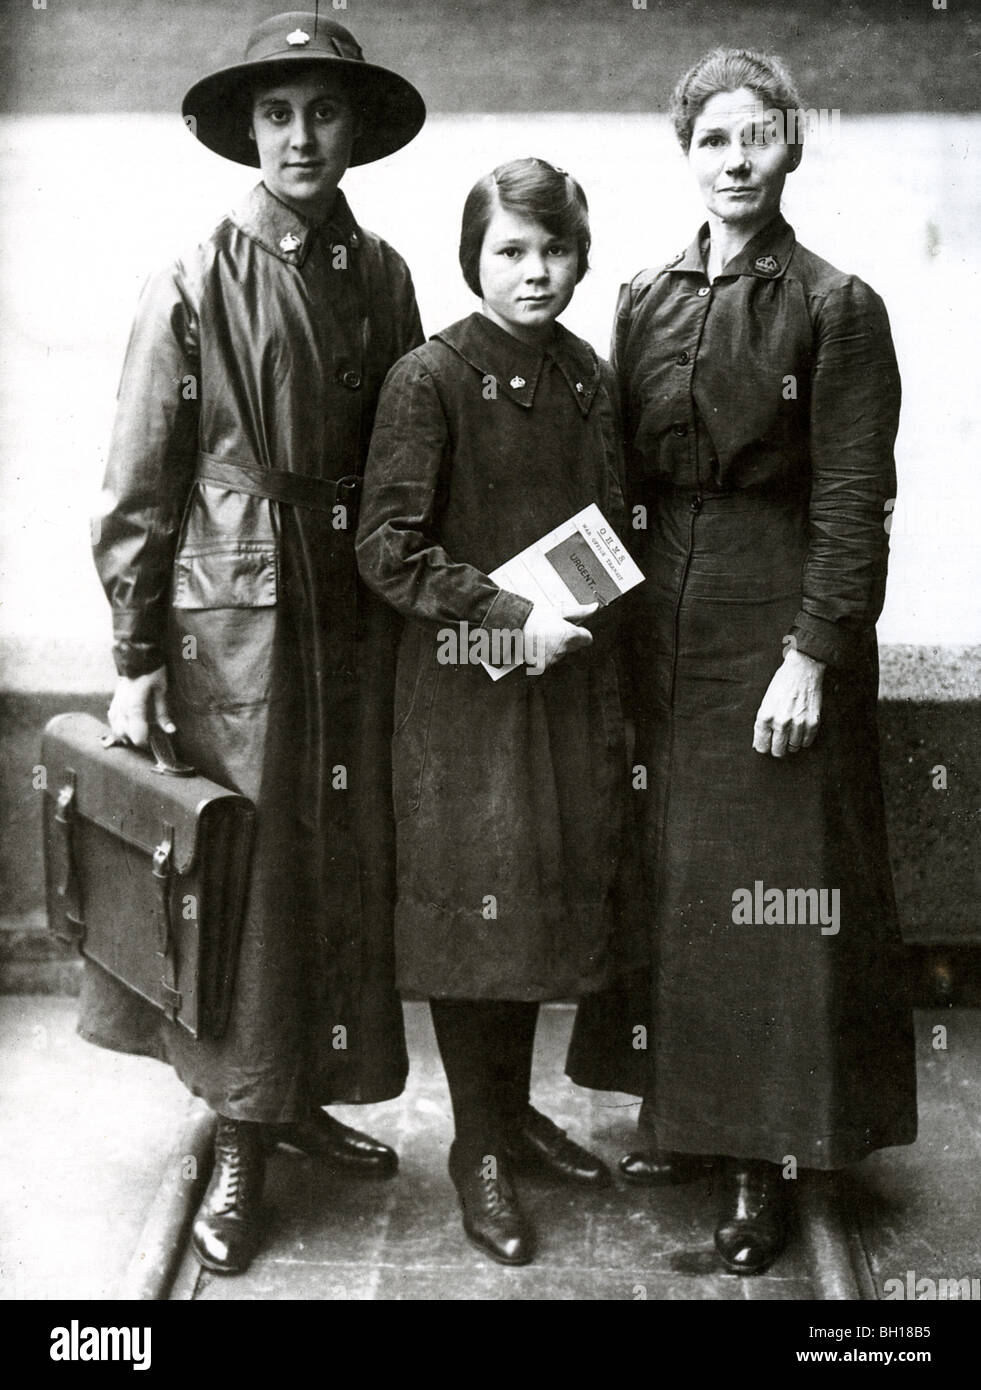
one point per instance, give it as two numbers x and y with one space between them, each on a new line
146 868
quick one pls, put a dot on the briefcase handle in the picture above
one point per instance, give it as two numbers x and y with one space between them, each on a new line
167 763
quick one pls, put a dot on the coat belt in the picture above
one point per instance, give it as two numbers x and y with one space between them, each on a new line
297 489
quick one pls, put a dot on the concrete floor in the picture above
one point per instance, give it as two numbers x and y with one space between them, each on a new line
87 1135
331 1237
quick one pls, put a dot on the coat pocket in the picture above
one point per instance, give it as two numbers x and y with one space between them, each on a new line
240 575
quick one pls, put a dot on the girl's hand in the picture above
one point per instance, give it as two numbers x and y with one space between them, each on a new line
549 634
790 712
137 704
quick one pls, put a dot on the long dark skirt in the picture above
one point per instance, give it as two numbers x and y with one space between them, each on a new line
756 1038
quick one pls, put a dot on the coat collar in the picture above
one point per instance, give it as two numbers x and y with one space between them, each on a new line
766 255
517 367
284 233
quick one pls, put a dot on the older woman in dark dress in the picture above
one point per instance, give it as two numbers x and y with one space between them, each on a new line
761 401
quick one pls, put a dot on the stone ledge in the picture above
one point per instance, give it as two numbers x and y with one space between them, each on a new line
936 673
929 718
33 960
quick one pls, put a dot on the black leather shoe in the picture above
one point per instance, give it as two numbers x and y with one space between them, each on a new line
659 1168
538 1144
492 1217
753 1227
347 1149
226 1230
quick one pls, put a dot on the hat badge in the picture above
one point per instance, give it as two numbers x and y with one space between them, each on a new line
290 242
769 265
298 38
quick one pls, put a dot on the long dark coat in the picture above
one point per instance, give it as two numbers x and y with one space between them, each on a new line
509 795
760 414
266 348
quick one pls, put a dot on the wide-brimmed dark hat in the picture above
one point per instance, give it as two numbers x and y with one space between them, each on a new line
216 108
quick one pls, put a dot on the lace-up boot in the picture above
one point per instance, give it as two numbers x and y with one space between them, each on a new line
226 1230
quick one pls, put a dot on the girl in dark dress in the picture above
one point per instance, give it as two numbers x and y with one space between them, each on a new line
761 402
509 792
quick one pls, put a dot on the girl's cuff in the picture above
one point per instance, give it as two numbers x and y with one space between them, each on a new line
507 611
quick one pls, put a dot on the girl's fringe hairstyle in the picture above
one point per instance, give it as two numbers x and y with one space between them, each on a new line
538 190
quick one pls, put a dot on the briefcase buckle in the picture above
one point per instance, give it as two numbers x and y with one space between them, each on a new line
65 805
163 859
70 889
162 870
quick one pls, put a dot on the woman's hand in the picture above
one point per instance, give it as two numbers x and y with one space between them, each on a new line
138 703
549 634
790 711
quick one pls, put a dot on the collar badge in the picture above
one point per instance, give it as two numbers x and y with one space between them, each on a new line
769 265
578 385
517 382
290 242
298 38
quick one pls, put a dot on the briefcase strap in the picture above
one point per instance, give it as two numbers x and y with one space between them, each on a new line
297 489
163 873
69 890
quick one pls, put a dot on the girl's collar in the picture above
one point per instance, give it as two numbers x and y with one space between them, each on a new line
513 368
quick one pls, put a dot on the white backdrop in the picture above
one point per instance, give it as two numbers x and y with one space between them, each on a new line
92 203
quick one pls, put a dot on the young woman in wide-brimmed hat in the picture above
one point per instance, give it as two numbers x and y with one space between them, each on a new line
226 548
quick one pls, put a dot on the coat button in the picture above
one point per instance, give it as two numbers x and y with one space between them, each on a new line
684 358
706 289
351 380
680 430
